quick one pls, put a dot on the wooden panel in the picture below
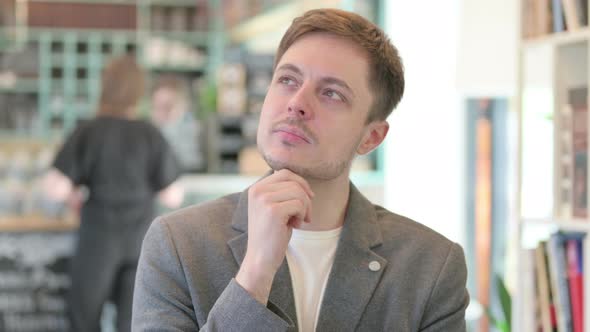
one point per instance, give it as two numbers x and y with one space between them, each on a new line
32 223
7 13
83 15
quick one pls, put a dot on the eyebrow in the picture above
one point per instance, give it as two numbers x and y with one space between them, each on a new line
327 79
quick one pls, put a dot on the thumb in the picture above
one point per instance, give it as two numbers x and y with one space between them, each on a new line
295 222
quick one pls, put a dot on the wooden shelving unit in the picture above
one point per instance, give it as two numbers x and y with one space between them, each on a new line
68 63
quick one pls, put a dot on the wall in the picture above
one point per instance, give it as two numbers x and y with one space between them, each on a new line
487 47
451 50
425 153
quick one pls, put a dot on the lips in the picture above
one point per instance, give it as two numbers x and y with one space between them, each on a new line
291 130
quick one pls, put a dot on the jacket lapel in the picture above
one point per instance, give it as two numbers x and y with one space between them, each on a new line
281 294
351 282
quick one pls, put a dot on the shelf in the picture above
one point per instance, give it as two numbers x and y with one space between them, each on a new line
173 3
115 2
195 38
186 3
35 223
14 142
560 38
576 225
264 30
61 33
210 184
177 69
13 136
21 86
69 61
279 16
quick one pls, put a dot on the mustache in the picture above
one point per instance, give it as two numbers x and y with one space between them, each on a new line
299 124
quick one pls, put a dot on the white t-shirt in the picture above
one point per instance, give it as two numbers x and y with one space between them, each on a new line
310 256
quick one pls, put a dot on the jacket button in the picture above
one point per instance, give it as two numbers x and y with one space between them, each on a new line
374 266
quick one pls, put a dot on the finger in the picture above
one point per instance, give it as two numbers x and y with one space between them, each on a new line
294 187
291 209
307 218
290 193
285 174
295 222
287 185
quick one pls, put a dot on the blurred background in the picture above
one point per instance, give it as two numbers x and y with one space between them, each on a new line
488 145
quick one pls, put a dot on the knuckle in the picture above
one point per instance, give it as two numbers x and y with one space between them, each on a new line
300 205
295 187
265 198
274 209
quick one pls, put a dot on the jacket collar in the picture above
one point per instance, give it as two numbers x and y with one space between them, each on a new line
350 284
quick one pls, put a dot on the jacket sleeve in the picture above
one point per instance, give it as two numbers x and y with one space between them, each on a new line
162 300
449 298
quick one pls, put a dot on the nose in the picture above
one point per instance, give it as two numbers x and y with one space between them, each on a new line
299 105
297 111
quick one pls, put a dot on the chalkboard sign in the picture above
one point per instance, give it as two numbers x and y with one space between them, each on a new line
34 281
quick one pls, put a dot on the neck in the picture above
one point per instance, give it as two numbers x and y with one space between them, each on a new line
328 207
105 110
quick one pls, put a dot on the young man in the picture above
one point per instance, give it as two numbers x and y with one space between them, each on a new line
302 249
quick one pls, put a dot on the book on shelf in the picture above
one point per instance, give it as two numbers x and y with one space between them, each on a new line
558 16
544 295
543 20
576 281
543 17
530 314
559 280
575 12
553 287
536 18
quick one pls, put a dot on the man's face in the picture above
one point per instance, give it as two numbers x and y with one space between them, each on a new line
313 117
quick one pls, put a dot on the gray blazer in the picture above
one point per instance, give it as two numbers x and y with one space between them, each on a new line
190 257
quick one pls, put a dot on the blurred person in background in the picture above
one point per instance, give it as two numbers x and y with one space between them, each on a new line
125 164
172 114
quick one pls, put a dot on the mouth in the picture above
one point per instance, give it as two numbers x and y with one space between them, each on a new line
292 133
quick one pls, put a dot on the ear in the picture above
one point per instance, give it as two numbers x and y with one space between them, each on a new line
375 133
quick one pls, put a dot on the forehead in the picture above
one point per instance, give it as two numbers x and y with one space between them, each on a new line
324 54
165 92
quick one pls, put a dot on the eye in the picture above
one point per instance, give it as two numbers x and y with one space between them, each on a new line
286 80
334 95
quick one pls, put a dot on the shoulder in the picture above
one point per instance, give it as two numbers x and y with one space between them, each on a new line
391 222
415 242
82 133
422 259
152 132
83 127
142 123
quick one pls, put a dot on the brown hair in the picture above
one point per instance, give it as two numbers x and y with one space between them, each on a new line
122 87
386 76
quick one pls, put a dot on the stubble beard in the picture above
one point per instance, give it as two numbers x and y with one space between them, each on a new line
325 171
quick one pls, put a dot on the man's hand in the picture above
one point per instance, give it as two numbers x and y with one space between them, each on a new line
276 204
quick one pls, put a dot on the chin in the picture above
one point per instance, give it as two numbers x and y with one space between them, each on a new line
276 163
324 172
